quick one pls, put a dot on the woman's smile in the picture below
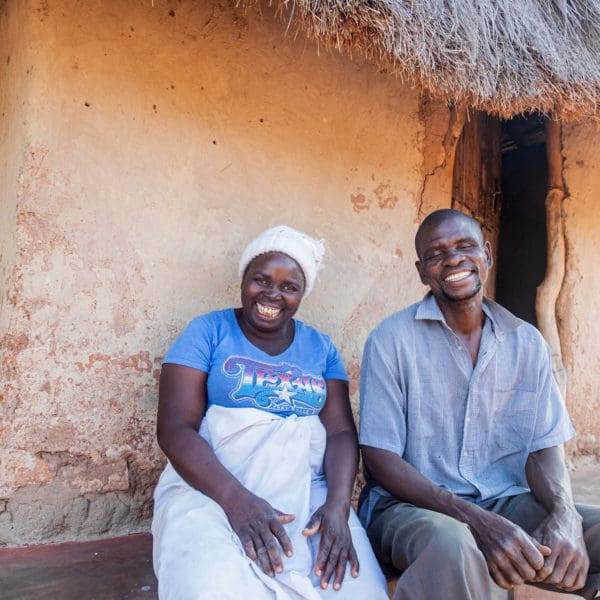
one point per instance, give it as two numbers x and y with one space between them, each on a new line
268 312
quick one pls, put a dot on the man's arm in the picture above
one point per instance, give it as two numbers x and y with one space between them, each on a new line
561 530
513 557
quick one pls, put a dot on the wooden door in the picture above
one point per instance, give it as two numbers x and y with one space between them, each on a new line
476 183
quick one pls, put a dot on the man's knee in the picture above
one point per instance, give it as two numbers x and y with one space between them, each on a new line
428 536
444 536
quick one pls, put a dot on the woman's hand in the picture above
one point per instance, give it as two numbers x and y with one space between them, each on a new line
261 530
335 546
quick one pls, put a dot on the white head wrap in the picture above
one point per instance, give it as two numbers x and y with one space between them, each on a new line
305 250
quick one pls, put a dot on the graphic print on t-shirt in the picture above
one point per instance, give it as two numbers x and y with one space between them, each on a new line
282 388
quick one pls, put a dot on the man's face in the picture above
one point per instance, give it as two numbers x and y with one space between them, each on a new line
454 261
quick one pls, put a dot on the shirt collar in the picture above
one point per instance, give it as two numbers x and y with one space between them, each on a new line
502 320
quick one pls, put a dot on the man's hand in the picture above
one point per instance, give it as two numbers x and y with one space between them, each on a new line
261 530
561 530
567 566
335 547
513 557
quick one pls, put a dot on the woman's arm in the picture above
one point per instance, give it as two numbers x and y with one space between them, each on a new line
181 407
339 466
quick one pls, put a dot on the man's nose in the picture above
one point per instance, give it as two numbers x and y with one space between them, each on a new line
453 256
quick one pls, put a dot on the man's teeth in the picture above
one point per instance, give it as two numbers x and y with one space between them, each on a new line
267 311
458 276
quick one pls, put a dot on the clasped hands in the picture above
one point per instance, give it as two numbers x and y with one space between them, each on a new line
260 528
554 554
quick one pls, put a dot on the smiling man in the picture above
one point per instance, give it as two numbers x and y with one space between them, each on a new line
461 429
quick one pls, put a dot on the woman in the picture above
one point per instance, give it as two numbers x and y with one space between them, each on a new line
255 420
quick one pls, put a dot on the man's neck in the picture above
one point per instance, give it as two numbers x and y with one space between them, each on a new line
464 317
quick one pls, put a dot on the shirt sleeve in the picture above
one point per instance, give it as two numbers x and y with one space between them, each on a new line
193 348
382 403
334 368
553 425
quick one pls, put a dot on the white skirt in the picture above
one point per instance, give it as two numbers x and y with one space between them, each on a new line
196 553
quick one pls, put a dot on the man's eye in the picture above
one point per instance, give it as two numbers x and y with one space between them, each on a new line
434 257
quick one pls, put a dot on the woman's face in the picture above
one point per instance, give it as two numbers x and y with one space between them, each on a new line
272 288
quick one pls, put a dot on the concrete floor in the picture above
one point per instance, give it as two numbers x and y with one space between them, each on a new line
109 569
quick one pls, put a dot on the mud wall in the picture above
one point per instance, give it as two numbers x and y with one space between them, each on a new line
579 301
147 143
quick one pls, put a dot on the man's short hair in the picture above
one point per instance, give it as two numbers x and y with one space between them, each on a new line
438 216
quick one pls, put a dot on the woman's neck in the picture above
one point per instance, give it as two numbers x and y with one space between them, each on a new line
272 342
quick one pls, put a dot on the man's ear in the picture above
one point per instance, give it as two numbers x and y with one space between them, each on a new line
421 271
487 248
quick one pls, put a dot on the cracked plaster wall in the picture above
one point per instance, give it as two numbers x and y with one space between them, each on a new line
579 301
147 145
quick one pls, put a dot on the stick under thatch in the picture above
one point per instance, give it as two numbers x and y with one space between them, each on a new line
502 56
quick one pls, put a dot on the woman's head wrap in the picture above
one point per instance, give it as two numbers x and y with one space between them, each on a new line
305 250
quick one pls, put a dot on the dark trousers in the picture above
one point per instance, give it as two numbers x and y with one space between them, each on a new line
438 557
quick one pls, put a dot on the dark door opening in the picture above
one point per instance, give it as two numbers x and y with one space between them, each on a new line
521 252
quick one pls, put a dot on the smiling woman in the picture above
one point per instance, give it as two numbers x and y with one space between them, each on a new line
272 288
255 420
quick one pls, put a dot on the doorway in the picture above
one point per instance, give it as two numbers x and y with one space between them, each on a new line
500 177
521 253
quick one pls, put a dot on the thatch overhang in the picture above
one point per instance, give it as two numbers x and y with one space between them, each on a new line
502 56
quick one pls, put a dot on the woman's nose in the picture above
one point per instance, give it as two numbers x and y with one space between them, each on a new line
273 292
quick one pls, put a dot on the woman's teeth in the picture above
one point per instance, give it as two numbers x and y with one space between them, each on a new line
267 311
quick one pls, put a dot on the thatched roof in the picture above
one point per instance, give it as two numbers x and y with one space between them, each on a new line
502 56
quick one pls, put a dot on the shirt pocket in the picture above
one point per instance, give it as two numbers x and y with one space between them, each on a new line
512 421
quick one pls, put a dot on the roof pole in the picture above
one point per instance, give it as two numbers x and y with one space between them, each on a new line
549 289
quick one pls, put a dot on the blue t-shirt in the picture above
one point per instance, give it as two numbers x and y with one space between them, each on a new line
242 375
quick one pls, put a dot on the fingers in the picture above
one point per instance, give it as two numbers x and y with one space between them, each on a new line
498 576
547 568
248 546
313 525
567 572
330 563
534 553
574 578
340 569
273 556
263 541
265 552
335 552
273 539
353 560
283 517
516 560
280 533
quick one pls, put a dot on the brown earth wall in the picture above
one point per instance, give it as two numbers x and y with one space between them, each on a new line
579 301
147 142
142 144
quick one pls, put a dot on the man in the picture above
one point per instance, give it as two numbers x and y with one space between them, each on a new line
461 433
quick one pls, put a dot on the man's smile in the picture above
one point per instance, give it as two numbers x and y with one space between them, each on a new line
458 276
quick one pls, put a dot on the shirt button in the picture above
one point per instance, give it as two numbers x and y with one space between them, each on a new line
465 453
468 420
459 347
